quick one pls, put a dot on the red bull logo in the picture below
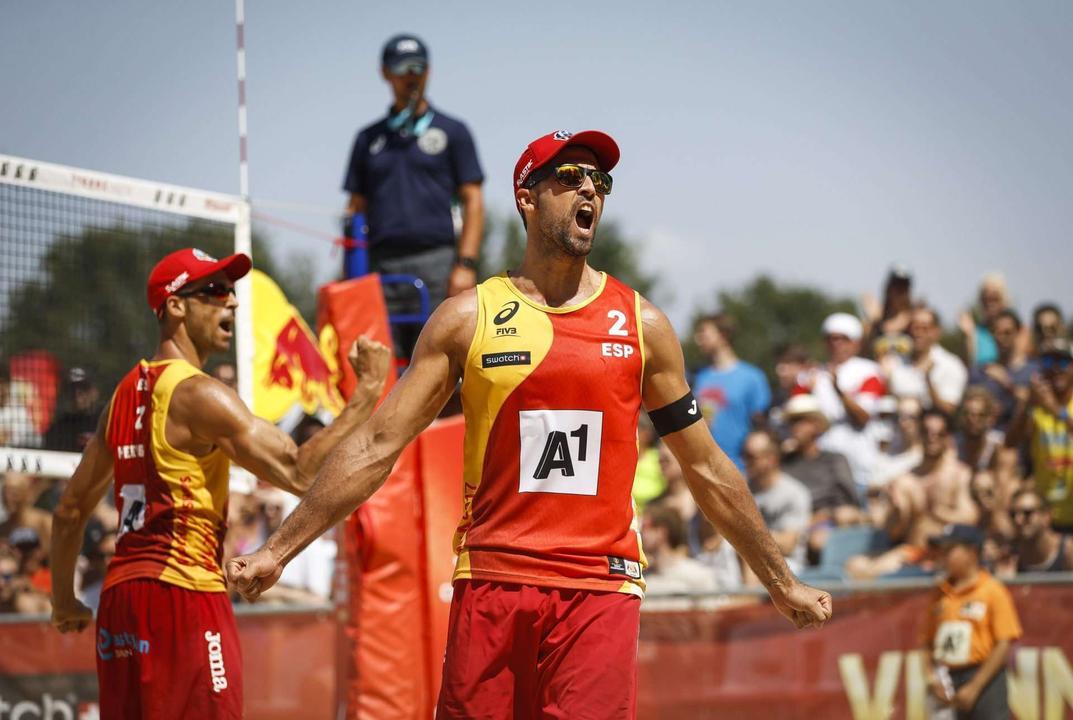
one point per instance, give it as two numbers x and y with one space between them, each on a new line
298 362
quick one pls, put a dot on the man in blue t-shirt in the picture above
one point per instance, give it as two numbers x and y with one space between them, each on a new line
405 172
733 394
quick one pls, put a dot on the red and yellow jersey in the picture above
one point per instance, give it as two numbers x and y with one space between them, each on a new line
551 398
172 505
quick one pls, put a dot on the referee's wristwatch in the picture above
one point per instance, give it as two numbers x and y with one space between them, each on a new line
466 261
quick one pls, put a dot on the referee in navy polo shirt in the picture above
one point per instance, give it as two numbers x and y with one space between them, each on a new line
405 171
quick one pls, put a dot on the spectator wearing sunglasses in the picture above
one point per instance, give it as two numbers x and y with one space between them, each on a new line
406 171
1043 417
1039 548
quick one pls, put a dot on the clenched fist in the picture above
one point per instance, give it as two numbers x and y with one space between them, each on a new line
804 606
252 574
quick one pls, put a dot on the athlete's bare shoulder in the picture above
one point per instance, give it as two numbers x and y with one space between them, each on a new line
450 328
657 328
664 380
205 406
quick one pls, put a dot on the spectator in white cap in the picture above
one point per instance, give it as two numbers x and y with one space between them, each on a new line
933 375
847 391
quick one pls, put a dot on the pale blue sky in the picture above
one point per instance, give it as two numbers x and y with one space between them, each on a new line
816 142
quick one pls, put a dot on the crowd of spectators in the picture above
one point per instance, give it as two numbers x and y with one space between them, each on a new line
855 458
858 457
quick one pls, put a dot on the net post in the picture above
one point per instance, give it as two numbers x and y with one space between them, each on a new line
244 344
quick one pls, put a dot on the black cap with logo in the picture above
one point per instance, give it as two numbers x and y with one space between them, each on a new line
404 53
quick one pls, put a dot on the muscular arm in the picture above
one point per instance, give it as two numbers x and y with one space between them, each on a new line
786 540
205 412
362 462
83 492
714 480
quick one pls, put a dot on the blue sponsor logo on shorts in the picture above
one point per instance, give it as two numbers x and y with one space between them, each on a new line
119 645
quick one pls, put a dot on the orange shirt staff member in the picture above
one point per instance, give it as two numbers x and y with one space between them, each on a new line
971 623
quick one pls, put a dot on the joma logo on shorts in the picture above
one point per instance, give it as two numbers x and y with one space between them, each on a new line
216 662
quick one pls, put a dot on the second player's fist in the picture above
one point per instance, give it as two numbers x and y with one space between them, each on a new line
370 361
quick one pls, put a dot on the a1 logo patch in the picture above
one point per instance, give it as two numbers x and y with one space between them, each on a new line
560 451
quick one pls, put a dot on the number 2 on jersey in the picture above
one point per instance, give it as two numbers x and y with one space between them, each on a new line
619 328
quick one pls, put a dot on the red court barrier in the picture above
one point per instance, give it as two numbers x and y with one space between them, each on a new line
748 662
288 655
733 663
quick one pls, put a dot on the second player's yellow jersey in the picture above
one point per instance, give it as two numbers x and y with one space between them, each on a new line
172 505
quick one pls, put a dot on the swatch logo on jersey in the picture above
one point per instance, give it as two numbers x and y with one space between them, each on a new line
501 359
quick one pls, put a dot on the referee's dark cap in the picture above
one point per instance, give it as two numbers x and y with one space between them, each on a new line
404 51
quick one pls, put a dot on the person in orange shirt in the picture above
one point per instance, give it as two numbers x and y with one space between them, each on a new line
971 624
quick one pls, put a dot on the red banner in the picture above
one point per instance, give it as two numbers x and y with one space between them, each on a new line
288 668
866 664
742 663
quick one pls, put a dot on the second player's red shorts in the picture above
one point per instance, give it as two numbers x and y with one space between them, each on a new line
165 652
525 652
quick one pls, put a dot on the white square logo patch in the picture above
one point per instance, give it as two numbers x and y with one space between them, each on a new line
560 451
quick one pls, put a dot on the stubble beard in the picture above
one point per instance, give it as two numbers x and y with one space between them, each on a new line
559 237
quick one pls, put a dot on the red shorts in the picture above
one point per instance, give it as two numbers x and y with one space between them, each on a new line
519 651
166 652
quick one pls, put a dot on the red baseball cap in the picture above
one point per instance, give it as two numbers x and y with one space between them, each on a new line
539 152
188 265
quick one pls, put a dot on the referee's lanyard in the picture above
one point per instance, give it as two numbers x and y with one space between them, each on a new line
405 125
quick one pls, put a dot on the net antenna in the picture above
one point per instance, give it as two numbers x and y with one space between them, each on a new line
244 347
76 247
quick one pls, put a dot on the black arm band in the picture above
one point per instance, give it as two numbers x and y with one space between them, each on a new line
679 415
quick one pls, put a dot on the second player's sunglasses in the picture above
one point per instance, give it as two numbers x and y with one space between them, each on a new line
571 176
215 290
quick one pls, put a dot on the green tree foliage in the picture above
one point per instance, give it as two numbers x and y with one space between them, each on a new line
87 306
770 316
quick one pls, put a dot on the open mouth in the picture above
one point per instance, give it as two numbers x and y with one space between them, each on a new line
585 216
226 326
